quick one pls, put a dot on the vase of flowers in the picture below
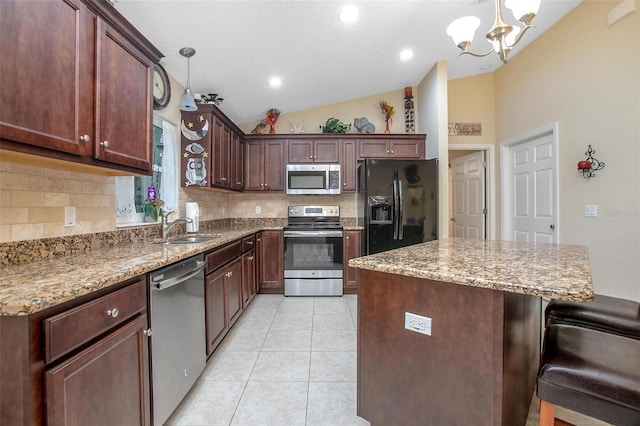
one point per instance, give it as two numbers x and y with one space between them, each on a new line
388 112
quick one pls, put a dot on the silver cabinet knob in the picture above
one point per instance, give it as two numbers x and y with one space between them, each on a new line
104 144
224 179
147 332
392 152
239 183
311 157
85 138
250 258
113 312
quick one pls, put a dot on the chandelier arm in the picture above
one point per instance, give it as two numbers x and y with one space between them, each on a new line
477 55
519 36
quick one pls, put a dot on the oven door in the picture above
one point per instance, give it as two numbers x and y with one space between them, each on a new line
313 263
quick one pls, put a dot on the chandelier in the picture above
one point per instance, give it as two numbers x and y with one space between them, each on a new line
502 36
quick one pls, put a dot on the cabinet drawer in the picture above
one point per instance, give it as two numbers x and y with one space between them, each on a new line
69 330
248 243
223 255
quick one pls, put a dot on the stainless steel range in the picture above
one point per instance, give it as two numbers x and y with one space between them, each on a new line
313 251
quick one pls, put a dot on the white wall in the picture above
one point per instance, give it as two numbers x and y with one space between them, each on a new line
432 118
585 75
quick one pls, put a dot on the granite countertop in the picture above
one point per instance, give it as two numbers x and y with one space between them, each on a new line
557 271
30 287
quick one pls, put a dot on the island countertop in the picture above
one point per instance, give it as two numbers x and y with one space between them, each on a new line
557 271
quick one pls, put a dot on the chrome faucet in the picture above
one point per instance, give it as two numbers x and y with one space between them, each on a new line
168 226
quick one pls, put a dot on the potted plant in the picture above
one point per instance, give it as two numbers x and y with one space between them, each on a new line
153 209
333 125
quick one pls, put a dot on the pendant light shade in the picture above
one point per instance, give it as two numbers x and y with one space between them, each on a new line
188 103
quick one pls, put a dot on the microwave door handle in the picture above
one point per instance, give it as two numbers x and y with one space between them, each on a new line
400 211
395 209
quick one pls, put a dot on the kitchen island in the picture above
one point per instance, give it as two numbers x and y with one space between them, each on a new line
478 365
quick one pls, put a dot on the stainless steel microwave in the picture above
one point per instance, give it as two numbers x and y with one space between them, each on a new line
313 179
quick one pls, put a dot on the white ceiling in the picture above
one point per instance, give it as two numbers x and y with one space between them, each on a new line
241 44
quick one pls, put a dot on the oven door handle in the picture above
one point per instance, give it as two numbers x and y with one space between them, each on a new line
311 234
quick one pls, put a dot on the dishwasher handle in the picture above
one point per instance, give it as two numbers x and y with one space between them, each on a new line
170 282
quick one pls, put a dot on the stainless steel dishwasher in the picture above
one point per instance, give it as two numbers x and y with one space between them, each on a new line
178 353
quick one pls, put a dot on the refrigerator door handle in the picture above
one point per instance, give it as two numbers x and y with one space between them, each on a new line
400 211
395 209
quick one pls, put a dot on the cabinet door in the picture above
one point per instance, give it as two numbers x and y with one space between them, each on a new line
326 151
215 309
271 260
233 290
236 163
274 155
406 149
349 165
352 248
106 384
249 287
124 105
301 151
47 69
373 149
221 154
253 166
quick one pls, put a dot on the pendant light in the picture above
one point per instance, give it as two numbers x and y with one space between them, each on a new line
187 103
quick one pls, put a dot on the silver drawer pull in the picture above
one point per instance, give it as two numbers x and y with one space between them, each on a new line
113 312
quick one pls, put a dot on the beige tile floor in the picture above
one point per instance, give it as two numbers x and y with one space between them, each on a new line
287 362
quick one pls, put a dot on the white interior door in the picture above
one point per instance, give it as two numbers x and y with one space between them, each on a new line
531 191
468 192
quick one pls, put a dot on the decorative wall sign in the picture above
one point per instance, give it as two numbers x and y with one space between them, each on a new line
465 129
409 113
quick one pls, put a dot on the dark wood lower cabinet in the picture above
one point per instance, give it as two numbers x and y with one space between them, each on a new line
215 311
233 290
270 261
249 282
106 384
352 248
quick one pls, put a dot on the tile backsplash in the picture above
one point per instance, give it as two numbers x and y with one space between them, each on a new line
33 199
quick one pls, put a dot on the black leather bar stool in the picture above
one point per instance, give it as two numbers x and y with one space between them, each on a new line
590 361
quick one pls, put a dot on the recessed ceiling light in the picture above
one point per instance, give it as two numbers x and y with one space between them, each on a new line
406 54
348 14
275 81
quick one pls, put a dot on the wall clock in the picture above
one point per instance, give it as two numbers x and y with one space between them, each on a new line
161 87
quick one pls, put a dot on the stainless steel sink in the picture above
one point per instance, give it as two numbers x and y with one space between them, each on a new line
192 240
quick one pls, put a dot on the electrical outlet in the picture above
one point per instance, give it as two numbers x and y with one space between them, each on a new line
69 216
417 323
258 209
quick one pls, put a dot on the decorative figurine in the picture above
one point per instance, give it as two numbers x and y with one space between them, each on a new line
409 120
363 125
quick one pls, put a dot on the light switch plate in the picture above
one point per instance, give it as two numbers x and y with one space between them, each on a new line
69 216
591 210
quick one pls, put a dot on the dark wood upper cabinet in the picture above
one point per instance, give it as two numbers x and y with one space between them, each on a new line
313 151
349 165
211 150
124 108
264 165
401 146
76 84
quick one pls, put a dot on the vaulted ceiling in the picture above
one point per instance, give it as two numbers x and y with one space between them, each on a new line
241 44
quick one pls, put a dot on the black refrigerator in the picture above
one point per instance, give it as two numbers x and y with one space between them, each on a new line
400 203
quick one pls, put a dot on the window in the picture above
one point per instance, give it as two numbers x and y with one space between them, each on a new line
131 191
